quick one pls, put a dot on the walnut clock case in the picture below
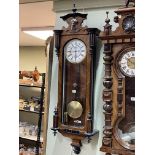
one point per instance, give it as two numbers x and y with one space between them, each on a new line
75 47
119 83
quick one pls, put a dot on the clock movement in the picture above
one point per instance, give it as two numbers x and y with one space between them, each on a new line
75 48
119 83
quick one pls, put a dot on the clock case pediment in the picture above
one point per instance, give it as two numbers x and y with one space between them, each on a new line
119 35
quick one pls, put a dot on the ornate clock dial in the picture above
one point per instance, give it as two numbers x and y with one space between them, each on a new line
129 24
75 51
127 63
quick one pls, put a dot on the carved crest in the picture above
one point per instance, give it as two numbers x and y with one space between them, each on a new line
74 21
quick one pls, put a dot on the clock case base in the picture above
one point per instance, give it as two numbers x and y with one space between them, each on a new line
76 138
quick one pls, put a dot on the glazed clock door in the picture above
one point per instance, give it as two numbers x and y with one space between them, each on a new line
74 83
124 129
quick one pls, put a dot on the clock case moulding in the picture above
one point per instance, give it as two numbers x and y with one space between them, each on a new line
75 30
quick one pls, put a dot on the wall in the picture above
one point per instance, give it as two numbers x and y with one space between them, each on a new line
31 56
59 145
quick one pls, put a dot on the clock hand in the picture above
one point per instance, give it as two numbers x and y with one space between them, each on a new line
75 55
131 61
131 64
79 46
72 44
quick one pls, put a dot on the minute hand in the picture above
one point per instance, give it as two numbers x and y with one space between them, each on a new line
131 61
75 55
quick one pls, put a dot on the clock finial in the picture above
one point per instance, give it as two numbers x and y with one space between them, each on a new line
107 27
107 19
74 7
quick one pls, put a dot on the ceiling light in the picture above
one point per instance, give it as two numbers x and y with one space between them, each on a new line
39 32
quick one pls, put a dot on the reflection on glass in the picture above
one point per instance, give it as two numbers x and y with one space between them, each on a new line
126 127
128 136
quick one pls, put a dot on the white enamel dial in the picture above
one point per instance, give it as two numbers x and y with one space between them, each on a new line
127 63
75 51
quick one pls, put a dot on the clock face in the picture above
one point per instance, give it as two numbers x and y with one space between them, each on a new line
129 24
127 63
75 51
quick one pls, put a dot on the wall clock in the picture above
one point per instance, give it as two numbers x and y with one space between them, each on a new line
119 83
75 47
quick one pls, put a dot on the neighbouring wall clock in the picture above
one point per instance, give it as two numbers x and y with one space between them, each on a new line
119 83
75 47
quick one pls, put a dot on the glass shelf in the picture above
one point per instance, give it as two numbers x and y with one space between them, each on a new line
31 138
29 83
36 112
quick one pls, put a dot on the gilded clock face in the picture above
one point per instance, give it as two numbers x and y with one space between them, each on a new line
129 24
127 63
75 51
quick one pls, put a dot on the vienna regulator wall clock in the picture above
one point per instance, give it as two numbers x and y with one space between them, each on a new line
119 83
75 46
